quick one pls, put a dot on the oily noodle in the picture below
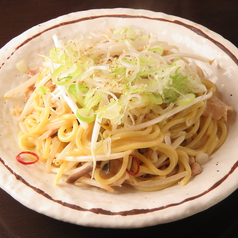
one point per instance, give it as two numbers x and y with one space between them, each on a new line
149 159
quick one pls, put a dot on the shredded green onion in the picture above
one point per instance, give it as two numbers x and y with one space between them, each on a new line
115 75
22 66
64 80
85 115
42 90
187 99
155 98
78 93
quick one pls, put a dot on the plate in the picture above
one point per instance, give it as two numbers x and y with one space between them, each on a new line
124 208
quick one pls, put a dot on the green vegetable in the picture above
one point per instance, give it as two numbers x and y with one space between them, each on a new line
121 73
85 115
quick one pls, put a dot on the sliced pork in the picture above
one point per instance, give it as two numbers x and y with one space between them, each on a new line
216 109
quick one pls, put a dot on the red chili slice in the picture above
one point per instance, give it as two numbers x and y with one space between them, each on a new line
20 159
138 166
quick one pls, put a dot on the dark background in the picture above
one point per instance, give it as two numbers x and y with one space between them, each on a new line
17 221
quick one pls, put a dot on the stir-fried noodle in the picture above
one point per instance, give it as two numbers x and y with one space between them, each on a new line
120 107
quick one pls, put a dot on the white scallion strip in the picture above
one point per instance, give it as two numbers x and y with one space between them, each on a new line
61 156
22 87
175 145
166 115
94 138
90 158
56 41
28 107
71 104
186 55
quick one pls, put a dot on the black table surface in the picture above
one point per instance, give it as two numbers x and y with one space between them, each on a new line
17 221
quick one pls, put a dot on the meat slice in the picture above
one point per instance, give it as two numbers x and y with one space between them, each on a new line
196 169
74 177
216 109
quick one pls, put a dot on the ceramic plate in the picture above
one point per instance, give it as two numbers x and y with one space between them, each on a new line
124 208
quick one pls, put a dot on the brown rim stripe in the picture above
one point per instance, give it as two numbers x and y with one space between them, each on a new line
122 213
192 28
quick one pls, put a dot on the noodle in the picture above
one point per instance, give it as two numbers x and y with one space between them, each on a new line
119 108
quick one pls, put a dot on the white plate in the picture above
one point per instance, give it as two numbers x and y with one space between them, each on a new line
123 208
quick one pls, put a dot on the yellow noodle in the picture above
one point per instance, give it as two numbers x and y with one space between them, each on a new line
193 130
114 178
184 160
201 134
159 152
60 172
46 148
223 134
67 132
169 151
54 148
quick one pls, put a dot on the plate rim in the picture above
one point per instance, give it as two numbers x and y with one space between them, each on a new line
89 14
